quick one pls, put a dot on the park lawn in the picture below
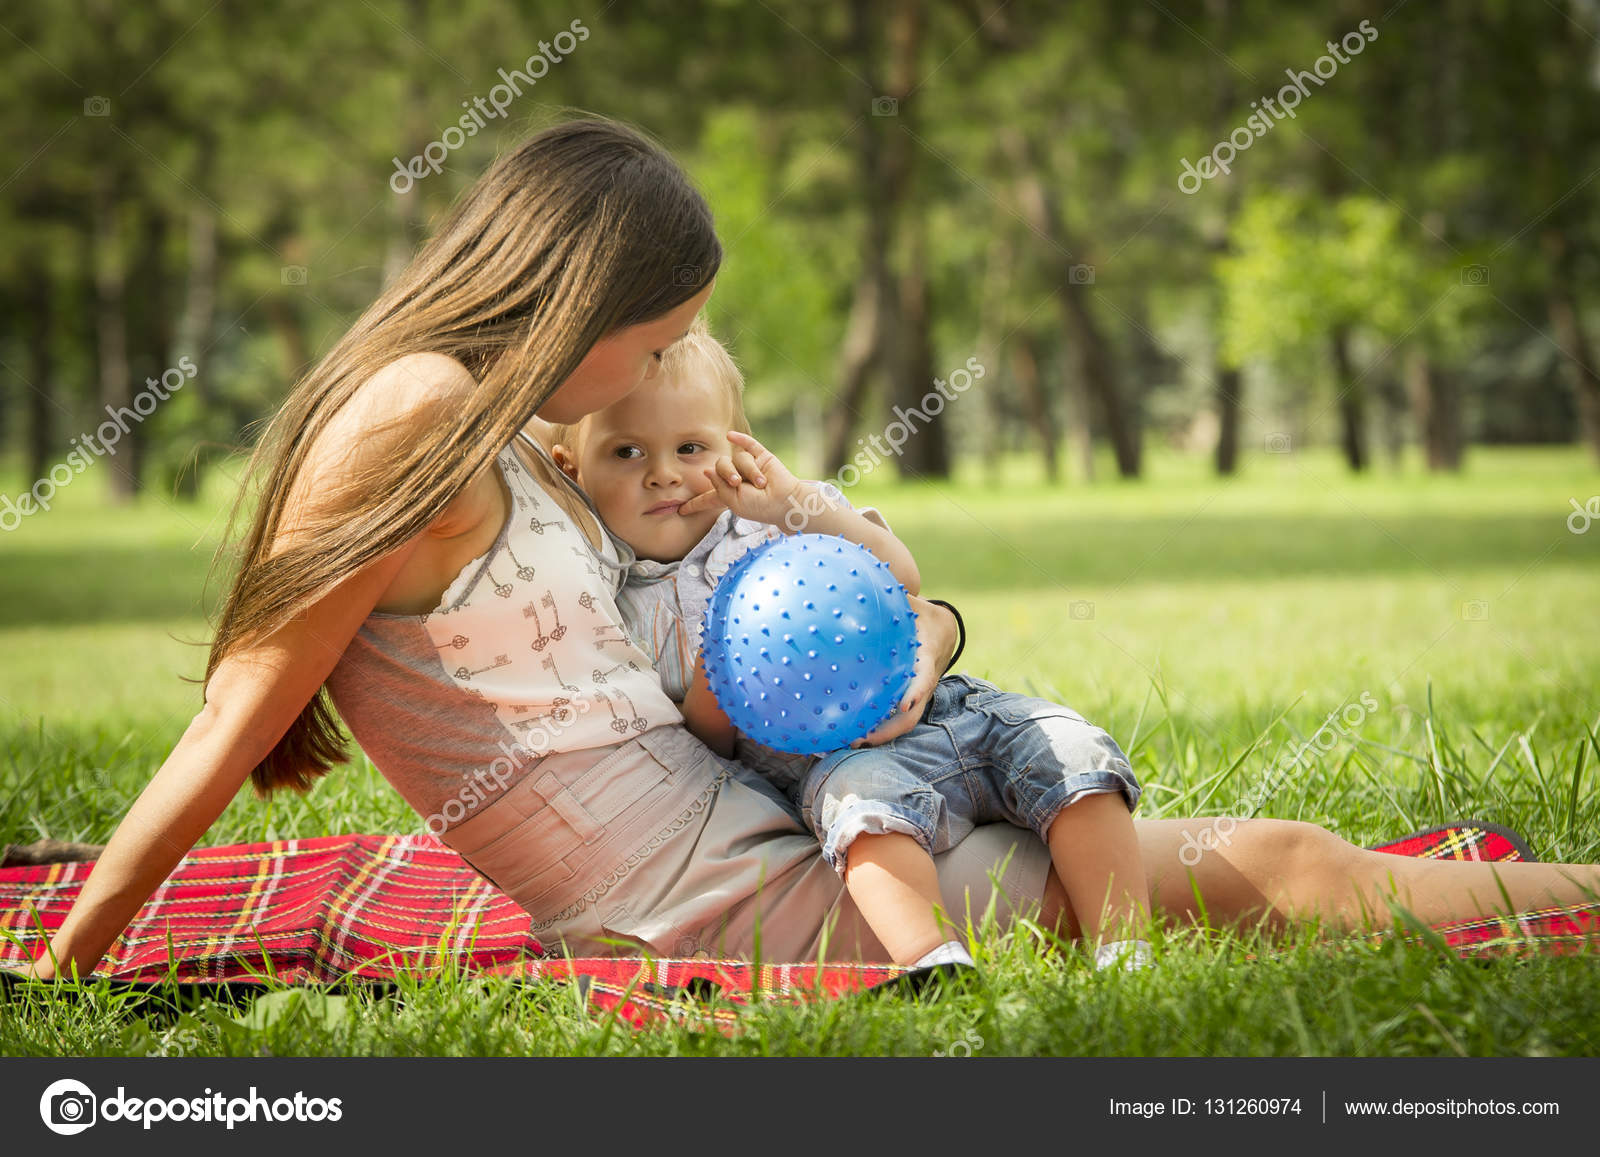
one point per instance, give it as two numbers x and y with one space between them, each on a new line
1210 626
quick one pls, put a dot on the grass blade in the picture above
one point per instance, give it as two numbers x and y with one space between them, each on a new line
1577 778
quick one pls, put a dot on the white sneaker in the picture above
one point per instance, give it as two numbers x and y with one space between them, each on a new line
1131 955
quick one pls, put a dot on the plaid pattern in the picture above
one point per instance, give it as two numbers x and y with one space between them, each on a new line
338 909
1558 931
1468 840
365 908
305 911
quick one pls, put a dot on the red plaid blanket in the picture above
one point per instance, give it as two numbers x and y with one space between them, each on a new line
1471 840
337 909
364 908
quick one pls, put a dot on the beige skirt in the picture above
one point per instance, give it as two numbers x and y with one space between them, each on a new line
656 845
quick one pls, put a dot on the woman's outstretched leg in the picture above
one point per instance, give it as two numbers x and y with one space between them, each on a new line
1283 872
1279 873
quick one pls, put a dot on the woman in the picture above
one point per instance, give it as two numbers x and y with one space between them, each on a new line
416 561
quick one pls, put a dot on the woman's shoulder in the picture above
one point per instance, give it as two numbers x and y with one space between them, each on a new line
408 384
425 372
383 412
380 416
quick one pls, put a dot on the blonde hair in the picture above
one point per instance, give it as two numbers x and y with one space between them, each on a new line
586 228
697 356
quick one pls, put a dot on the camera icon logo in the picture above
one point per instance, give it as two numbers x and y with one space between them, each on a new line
294 274
1279 443
686 275
885 106
67 1107
1475 610
1474 275
1080 609
96 106
1080 275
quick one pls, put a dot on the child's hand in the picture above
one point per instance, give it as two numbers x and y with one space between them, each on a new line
937 634
752 483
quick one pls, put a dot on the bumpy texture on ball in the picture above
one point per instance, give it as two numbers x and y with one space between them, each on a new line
809 642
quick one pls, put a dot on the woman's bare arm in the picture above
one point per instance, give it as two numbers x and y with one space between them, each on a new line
250 701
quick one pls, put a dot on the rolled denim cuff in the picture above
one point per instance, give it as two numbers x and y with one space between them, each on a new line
1064 795
867 819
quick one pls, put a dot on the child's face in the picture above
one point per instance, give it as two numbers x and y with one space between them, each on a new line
642 457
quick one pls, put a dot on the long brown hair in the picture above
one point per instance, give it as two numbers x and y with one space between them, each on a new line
586 228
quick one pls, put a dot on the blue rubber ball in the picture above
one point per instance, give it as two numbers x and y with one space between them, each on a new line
809 642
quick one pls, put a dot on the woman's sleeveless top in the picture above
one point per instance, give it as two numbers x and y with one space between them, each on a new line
525 655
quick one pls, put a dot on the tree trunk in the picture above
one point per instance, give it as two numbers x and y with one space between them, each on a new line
1080 433
1428 380
865 337
200 292
863 341
1229 384
1436 403
1393 405
1577 354
1227 378
287 323
862 353
194 328
993 300
926 453
151 347
1352 404
10 317
110 304
1097 369
1025 365
38 324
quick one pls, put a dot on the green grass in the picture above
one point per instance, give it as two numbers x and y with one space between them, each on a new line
1208 625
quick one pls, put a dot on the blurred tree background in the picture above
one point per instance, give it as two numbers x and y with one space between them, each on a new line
1402 261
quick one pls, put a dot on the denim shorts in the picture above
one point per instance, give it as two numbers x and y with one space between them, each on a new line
979 755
